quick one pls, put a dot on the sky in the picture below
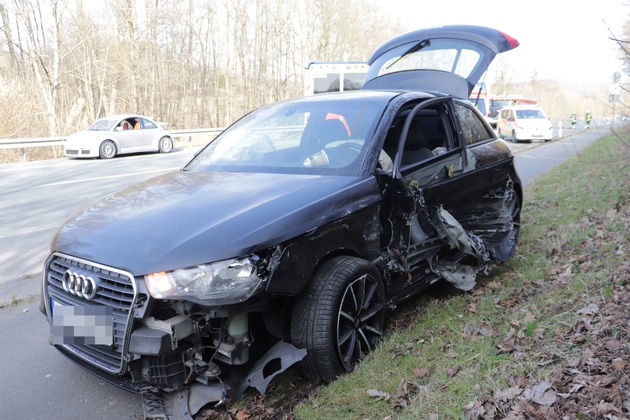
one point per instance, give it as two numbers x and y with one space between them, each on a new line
559 39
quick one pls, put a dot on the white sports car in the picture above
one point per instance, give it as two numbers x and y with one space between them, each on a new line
117 135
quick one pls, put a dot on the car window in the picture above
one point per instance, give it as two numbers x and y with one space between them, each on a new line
472 126
459 56
310 137
427 136
146 124
102 125
530 114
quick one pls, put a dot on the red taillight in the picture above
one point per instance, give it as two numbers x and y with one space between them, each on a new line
512 41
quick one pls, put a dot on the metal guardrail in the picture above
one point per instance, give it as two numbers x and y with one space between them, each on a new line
20 143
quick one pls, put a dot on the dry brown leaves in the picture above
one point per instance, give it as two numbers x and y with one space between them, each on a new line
405 393
591 377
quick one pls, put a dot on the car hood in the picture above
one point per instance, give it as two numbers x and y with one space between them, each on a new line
448 59
184 218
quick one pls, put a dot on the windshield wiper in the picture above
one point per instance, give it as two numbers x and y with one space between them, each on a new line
415 48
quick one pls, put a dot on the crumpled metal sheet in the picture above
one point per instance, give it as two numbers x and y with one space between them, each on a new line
464 277
454 234
460 275
286 353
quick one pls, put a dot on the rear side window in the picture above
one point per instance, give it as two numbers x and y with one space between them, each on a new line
473 128
147 124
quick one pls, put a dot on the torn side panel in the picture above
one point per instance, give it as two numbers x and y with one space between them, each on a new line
485 203
462 276
454 234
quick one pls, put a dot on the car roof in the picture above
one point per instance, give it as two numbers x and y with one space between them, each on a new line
384 95
357 94
123 116
523 107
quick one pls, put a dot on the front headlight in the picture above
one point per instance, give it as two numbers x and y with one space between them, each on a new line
220 283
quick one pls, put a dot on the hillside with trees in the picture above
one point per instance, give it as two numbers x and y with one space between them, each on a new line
192 63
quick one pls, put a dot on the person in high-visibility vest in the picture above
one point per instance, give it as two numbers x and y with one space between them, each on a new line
573 120
588 119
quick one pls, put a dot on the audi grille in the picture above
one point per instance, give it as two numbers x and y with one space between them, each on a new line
68 281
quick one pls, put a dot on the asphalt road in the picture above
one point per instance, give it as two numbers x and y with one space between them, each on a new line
38 196
37 381
535 159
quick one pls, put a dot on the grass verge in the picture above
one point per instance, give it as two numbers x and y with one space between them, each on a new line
545 335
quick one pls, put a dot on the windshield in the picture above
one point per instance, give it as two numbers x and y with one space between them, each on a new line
530 114
102 125
317 136
496 105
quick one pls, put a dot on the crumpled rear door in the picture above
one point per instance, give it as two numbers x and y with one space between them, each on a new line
464 195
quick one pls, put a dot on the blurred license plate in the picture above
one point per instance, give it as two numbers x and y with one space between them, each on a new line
82 325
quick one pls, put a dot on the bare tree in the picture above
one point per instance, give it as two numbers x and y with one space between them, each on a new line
191 63
43 57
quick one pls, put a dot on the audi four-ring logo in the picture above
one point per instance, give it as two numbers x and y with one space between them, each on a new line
79 285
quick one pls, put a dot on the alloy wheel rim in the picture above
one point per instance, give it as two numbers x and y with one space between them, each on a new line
165 145
107 149
359 321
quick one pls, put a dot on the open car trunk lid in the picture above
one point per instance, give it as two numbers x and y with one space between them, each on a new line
447 59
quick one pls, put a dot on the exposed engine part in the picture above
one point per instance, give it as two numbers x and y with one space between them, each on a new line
157 337
202 370
233 347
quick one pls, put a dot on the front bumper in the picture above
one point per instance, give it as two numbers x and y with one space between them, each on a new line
79 152
534 135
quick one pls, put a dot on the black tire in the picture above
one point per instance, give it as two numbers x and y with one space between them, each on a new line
165 145
513 138
516 215
507 248
339 317
107 149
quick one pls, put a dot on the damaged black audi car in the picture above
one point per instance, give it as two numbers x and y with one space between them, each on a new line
291 233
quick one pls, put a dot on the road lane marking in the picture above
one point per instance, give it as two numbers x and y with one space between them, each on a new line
74 181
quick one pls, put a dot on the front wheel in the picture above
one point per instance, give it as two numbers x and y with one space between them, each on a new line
339 317
107 150
165 145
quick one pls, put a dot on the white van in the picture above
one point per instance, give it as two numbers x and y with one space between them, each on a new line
524 123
